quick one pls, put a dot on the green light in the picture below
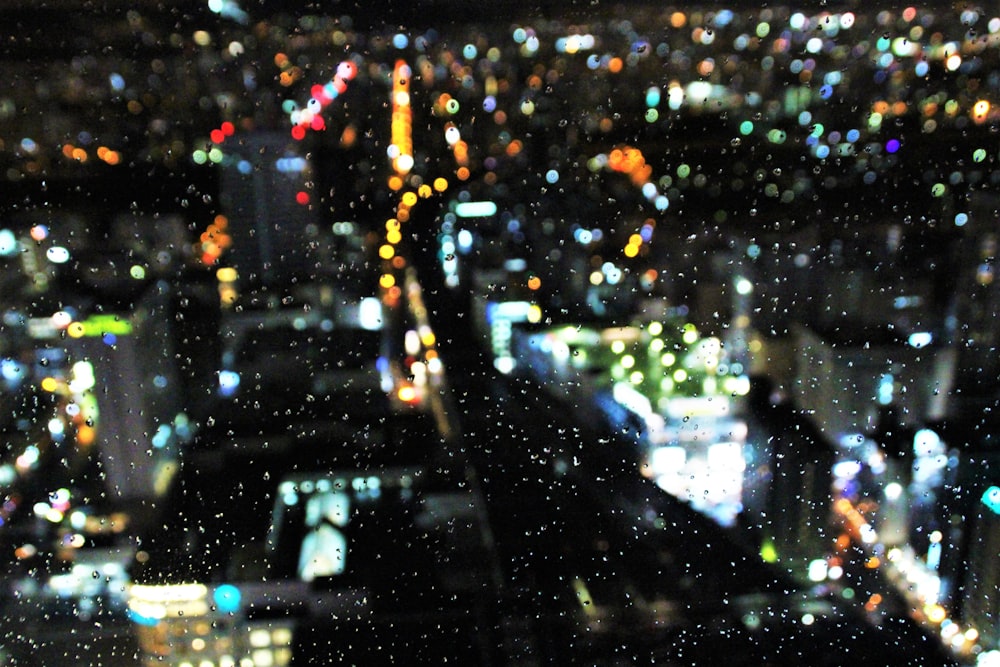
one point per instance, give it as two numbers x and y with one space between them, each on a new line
979 154
683 171
199 156
98 325
746 127
768 553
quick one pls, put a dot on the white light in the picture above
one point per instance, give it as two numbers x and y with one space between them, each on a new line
370 314
475 209
57 255
920 339
817 570
893 490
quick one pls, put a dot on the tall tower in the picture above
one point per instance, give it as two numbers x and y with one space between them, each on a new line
266 193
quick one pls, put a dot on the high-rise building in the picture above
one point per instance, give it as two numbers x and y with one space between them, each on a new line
268 199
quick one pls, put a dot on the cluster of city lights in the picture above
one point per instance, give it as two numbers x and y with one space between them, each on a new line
214 241
311 117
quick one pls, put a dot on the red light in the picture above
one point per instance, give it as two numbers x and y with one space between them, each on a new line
298 133
302 197
228 129
317 123
316 91
217 136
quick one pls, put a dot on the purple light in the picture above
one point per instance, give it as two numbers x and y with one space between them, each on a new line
892 146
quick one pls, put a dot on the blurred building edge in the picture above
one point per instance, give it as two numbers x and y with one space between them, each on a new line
163 365
266 193
788 480
844 380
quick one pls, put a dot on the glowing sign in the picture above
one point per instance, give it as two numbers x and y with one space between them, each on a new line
475 209
99 325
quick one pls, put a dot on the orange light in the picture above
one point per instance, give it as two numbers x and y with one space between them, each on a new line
395 182
462 173
615 65
534 282
348 136
85 435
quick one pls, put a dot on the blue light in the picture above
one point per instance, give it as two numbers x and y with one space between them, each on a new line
140 619
227 598
229 382
991 498
465 240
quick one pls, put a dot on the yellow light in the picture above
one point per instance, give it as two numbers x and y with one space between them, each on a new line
50 384
387 280
75 330
407 393
980 110
226 275
409 198
628 361
636 377
680 375
386 251
631 250
935 613
668 359
440 184
534 313
424 191
428 338
393 237
618 346
655 328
